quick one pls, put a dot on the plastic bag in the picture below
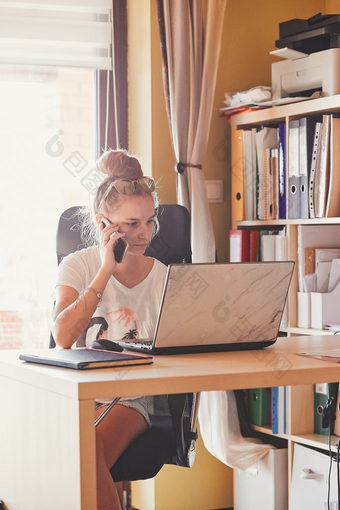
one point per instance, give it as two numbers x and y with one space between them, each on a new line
220 431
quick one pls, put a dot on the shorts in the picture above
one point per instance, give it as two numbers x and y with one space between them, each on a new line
139 404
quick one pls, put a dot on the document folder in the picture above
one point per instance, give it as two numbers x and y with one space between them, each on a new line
80 359
322 393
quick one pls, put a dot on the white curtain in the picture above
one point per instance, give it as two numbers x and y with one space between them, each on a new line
191 33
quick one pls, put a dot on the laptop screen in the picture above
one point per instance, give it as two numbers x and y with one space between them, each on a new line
205 304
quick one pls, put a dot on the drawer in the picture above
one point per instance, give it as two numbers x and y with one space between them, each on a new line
309 487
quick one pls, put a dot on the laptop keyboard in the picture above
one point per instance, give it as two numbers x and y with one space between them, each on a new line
139 344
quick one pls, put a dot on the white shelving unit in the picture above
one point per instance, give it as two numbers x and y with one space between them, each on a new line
300 399
274 116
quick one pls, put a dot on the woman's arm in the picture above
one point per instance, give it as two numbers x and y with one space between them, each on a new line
73 312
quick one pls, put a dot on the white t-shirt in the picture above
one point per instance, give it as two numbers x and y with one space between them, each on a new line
129 312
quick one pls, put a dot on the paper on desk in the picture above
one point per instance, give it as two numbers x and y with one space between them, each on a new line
332 355
335 328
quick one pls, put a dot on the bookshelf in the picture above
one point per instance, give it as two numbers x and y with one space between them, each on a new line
272 117
300 399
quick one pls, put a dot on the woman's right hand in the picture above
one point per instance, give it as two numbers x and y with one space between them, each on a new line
108 237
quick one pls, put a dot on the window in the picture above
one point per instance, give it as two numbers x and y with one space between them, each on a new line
50 52
47 141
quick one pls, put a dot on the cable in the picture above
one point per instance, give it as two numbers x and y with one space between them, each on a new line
337 469
107 109
330 468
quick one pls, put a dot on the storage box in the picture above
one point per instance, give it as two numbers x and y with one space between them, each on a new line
303 306
265 486
325 308
309 485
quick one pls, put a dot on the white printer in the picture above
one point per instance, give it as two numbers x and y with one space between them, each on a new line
315 64
319 70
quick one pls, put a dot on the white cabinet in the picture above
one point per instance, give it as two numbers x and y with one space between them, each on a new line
309 486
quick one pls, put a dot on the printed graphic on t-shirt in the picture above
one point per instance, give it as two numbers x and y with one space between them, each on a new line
125 318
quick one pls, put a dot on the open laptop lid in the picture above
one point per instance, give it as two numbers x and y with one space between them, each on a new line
206 305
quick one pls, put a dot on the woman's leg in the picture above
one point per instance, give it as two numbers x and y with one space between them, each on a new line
113 435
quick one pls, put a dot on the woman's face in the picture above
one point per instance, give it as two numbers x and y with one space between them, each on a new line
136 218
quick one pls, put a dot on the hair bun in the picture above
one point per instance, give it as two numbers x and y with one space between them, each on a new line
119 164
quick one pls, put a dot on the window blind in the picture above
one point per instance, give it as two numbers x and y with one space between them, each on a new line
76 33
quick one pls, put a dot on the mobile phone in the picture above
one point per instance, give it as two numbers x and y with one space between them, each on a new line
120 246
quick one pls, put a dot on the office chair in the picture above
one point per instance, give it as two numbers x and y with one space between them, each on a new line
172 435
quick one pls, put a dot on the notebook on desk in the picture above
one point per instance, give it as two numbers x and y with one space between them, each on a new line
84 358
215 307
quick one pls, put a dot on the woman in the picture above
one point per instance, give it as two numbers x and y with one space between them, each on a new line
127 295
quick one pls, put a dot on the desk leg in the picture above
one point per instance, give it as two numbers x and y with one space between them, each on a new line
47 449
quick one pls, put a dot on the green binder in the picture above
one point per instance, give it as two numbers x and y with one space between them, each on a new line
322 392
258 406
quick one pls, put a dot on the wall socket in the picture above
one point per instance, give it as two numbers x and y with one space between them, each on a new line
214 189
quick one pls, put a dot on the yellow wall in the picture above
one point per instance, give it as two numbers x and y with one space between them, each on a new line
208 484
139 79
149 135
332 7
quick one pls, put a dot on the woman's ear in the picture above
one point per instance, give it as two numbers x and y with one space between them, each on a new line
99 218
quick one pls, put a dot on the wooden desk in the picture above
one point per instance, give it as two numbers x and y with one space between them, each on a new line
47 446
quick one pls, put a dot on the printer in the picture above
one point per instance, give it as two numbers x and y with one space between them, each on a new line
313 57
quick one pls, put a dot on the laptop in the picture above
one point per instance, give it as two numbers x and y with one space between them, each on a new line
217 307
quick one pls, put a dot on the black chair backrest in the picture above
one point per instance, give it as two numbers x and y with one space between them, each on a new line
171 243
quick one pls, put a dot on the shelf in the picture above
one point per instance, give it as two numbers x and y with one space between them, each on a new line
268 430
278 114
315 221
314 440
264 429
